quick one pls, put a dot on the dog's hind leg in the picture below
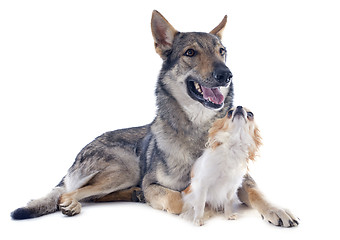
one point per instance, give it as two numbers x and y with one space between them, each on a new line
101 184
106 165
133 194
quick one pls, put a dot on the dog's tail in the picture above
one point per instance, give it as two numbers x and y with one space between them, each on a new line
41 206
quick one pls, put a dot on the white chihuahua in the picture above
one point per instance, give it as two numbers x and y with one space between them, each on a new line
218 173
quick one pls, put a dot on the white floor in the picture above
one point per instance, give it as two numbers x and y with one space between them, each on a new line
132 220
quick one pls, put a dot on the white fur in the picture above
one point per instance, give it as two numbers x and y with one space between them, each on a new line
75 180
219 172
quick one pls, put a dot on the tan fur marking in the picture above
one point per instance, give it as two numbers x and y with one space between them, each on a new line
175 202
257 139
254 196
219 125
119 196
257 200
205 65
187 190
163 198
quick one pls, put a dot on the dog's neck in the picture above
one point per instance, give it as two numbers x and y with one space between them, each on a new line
173 113
176 120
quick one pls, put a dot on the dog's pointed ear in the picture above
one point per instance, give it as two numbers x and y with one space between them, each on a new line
218 31
163 33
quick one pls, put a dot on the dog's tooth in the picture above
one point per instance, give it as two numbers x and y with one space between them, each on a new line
198 87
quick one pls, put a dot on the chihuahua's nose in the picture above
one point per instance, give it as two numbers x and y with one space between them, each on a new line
238 110
222 74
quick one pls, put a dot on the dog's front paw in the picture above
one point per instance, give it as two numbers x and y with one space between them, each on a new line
174 203
279 217
69 206
232 216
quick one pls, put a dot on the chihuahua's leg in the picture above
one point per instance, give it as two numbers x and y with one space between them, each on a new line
199 205
229 206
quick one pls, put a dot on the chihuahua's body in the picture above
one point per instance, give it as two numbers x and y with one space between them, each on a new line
193 89
218 173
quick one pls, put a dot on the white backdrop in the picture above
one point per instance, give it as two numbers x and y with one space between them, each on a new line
71 70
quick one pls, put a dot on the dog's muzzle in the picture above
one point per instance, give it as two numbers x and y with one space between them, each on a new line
209 92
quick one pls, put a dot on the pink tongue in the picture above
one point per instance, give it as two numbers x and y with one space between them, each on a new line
213 95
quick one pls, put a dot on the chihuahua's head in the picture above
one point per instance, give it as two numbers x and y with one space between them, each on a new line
237 126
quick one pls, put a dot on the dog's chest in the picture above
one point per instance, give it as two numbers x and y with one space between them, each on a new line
180 142
174 171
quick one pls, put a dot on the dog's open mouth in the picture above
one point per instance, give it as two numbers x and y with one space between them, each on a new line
209 97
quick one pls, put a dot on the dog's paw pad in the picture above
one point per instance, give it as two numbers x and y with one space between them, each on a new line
280 217
199 221
70 207
233 216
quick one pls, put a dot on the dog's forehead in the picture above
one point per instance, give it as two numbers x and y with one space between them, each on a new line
203 40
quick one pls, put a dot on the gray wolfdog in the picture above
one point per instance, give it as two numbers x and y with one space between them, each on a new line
153 162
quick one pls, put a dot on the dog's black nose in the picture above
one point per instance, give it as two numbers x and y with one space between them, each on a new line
222 74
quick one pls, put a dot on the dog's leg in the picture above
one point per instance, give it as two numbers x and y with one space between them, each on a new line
101 184
251 196
69 202
133 194
163 198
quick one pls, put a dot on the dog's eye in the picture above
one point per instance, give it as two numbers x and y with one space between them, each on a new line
250 115
230 113
222 51
190 53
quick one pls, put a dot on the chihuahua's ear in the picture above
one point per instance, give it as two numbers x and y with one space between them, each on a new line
163 33
218 31
257 143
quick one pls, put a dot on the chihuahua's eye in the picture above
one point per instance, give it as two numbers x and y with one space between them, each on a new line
250 115
190 53
230 113
222 51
